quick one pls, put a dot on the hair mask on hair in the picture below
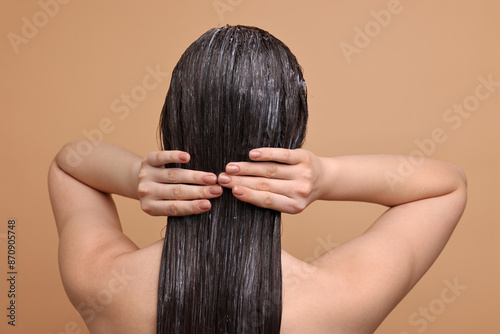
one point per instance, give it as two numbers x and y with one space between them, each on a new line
234 89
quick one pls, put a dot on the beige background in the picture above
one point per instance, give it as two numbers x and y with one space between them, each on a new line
62 76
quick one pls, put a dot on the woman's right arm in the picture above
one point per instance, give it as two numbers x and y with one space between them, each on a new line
369 275
302 177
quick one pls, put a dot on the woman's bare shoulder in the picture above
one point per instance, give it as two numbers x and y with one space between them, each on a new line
328 295
310 297
126 299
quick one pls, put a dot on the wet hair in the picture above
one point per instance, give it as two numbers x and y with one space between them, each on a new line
234 89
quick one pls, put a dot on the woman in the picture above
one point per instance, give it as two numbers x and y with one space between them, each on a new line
231 128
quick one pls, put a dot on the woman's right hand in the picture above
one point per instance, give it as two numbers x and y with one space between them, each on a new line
174 191
279 179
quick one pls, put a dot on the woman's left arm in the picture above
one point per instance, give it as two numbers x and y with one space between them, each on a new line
162 192
104 167
90 232
110 169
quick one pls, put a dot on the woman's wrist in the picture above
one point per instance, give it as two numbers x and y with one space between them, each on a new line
325 183
133 179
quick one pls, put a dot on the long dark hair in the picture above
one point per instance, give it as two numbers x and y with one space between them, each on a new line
234 89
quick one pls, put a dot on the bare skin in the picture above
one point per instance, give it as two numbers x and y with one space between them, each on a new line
349 289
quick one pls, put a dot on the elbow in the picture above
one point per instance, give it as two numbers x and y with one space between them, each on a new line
461 179
460 189
71 155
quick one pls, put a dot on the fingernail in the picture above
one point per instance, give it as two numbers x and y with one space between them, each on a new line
205 205
238 190
215 190
232 168
184 156
210 179
224 178
255 154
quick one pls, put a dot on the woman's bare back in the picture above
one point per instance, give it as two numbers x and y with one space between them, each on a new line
132 287
315 300
349 289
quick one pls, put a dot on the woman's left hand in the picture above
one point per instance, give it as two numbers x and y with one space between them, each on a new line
174 191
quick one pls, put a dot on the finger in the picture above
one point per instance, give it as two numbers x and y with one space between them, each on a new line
283 155
186 192
178 175
269 170
177 208
268 200
281 187
160 158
